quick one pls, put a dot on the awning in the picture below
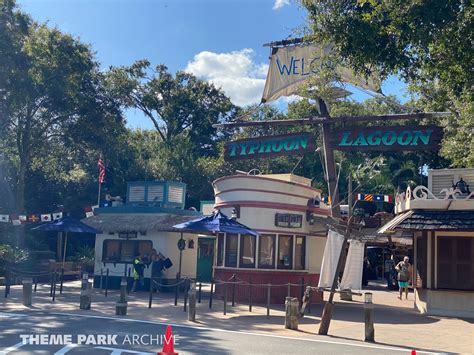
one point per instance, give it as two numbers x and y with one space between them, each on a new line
431 220
136 222
391 225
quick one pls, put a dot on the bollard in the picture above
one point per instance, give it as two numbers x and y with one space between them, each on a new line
176 292
51 284
121 304
199 294
369 317
233 290
210 296
305 301
150 296
86 292
27 289
302 288
36 283
250 295
291 315
186 289
225 299
101 278
7 280
107 283
192 302
54 286
269 289
61 284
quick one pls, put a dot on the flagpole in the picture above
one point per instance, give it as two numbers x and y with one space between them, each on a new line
98 194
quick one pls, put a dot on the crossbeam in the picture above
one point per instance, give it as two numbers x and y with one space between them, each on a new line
343 119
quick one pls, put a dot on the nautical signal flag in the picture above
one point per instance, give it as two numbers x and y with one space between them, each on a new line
57 215
46 217
375 198
33 218
4 218
101 166
89 212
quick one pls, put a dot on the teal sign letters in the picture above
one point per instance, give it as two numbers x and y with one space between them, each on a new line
264 147
403 138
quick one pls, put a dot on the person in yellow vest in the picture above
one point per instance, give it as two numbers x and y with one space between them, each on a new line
138 268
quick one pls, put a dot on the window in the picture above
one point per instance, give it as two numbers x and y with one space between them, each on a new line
220 249
300 253
285 252
456 263
124 251
288 220
247 251
231 250
266 251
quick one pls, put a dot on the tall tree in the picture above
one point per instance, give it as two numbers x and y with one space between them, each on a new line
176 105
428 43
52 94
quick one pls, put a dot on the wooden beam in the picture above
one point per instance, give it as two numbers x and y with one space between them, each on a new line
284 43
342 119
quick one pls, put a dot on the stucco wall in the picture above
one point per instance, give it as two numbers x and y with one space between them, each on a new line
445 303
164 242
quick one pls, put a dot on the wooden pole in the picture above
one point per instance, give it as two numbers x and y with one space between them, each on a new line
330 165
349 194
328 307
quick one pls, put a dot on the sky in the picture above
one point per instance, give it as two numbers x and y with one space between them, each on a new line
217 40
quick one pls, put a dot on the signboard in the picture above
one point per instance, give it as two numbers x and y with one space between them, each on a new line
264 147
288 220
401 138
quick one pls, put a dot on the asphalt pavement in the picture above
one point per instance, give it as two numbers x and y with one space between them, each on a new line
65 333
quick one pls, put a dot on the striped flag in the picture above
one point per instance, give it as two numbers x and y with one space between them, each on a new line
101 166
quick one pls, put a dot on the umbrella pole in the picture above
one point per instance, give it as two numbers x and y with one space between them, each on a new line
180 257
65 245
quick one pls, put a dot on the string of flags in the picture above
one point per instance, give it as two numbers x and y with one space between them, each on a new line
18 220
374 198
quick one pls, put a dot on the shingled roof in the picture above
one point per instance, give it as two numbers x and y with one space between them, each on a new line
437 220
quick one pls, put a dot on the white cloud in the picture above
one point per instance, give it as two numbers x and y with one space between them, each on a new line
278 4
235 72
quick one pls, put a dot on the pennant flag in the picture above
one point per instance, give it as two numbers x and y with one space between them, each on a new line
89 212
4 218
33 218
360 197
378 198
101 166
57 215
46 217
15 219
23 219
388 198
368 197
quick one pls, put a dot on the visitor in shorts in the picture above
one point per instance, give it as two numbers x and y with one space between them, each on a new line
403 269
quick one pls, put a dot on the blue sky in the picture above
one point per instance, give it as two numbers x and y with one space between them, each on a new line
218 40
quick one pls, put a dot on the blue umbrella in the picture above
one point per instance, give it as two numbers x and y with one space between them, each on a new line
66 225
217 222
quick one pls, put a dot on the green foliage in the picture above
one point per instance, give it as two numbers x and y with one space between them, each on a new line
428 43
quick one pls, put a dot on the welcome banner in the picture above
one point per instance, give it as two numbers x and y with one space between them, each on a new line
291 66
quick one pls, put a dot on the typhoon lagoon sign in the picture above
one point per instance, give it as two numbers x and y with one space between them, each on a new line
264 147
403 138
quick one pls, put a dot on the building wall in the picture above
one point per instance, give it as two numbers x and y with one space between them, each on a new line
164 242
445 302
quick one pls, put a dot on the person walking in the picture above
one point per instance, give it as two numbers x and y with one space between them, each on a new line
404 274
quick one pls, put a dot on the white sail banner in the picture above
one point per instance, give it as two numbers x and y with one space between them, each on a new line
291 66
352 276
332 250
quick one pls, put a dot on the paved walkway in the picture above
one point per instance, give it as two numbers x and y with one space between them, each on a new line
397 323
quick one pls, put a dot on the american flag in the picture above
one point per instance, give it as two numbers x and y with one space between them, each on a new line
101 166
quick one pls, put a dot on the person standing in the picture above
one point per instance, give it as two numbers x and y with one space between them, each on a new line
138 269
404 274
388 268
157 268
